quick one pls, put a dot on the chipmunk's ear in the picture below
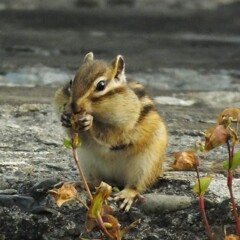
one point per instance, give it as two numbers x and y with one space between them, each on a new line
119 68
88 57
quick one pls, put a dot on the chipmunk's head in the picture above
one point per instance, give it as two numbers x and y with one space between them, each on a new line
100 88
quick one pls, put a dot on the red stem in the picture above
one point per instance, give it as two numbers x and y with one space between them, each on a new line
204 217
229 183
202 208
102 227
77 160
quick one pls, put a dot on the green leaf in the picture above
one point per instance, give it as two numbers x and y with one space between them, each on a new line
204 183
235 162
67 143
115 189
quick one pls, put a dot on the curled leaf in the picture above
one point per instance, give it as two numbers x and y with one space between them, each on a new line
228 116
200 189
64 194
216 136
185 160
97 208
113 226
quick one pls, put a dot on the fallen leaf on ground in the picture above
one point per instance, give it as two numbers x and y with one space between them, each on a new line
64 194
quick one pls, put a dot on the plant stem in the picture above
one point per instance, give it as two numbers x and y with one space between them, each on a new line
204 217
202 208
77 160
199 183
229 184
102 227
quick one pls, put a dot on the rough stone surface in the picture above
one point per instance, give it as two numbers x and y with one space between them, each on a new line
188 61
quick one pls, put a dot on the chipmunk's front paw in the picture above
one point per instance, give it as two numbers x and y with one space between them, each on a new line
128 196
85 122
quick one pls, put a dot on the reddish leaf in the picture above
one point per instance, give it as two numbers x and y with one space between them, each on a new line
113 226
216 136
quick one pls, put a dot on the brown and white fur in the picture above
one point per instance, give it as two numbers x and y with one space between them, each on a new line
123 137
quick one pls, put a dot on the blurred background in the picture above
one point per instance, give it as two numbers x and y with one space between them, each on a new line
169 45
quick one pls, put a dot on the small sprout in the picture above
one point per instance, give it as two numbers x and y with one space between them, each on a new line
235 162
100 214
204 184
216 136
185 160
199 146
67 143
64 194
97 205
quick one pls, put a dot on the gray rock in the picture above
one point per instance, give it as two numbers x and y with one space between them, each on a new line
160 203
8 192
23 202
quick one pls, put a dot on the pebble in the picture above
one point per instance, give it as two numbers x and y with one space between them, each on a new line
159 203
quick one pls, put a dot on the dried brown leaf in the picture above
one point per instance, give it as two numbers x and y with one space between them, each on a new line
185 160
64 194
113 226
229 115
216 136
232 237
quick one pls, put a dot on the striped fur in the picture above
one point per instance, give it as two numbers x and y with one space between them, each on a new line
127 139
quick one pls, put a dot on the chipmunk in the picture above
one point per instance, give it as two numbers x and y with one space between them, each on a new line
123 137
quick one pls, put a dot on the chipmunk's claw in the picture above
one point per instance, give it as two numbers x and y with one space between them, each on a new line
128 196
85 122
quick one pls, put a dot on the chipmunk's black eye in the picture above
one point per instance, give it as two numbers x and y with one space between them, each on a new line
101 86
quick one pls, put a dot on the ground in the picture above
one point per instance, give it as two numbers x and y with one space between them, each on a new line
188 61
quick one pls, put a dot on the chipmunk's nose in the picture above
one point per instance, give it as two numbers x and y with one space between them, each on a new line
76 109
